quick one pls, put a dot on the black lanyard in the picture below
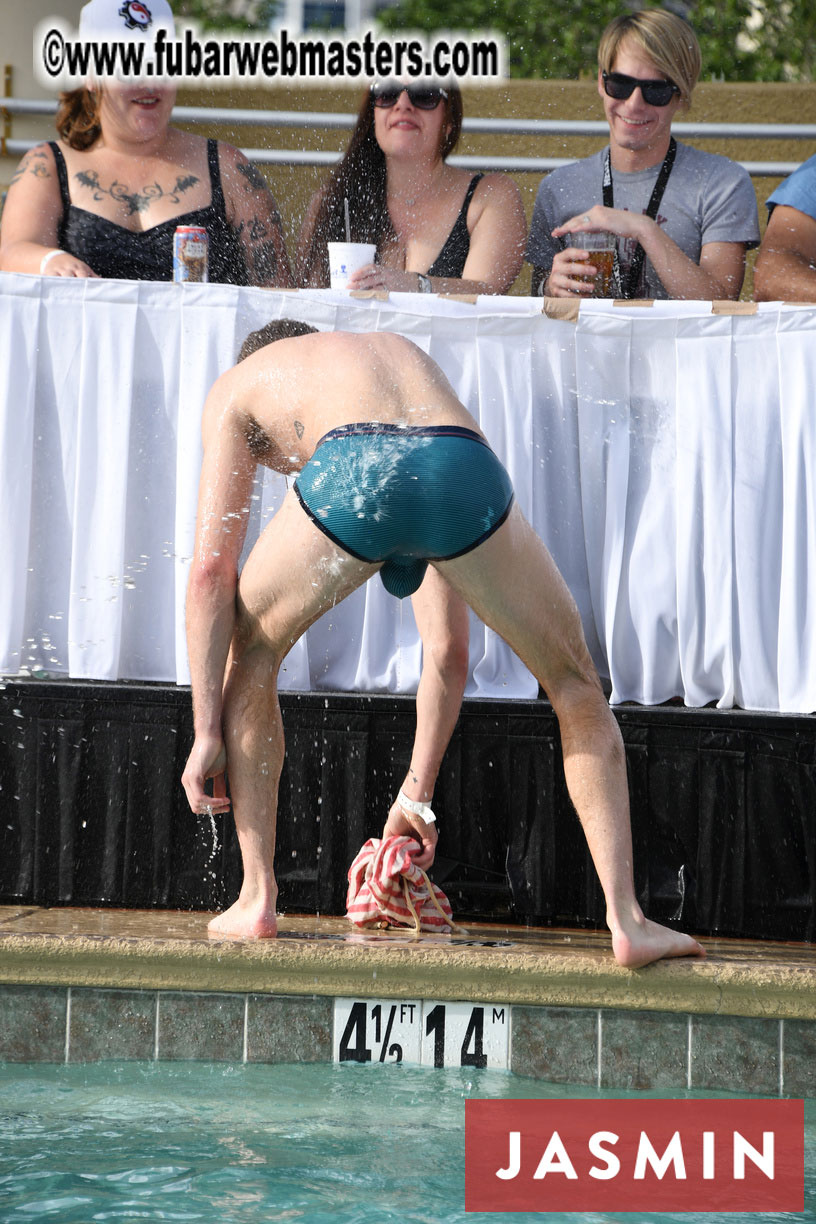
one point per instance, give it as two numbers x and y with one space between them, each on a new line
628 286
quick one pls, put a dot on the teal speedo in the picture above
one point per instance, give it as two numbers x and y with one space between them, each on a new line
404 495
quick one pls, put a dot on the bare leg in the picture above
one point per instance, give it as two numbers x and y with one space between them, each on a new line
292 576
512 583
253 737
442 620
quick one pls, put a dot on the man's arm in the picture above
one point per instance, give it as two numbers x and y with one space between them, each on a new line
718 275
227 474
785 270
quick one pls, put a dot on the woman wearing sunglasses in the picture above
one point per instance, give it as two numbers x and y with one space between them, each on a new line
683 219
437 228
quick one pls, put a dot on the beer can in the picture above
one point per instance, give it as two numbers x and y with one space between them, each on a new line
190 251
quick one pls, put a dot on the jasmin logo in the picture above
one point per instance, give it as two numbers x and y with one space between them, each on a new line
671 1162
136 15
633 1155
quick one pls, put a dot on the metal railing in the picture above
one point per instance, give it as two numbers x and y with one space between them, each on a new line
498 127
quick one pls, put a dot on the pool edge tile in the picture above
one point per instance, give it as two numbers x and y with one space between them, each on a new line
111 1024
558 1044
643 1050
202 1026
735 1052
33 1023
289 1028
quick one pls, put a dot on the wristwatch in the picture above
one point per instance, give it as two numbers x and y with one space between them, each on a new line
424 283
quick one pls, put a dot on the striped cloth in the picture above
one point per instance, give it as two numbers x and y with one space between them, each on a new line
384 883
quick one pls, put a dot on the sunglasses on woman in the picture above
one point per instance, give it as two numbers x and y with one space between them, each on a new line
423 97
657 93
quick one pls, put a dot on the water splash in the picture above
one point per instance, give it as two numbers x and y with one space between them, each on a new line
681 892
213 828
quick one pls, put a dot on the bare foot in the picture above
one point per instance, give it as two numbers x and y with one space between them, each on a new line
646 941
243 921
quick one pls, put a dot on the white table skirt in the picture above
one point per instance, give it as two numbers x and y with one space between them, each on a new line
666 455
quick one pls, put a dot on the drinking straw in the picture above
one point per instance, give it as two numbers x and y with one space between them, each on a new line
348 223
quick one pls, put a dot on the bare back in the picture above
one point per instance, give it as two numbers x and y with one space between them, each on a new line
294 391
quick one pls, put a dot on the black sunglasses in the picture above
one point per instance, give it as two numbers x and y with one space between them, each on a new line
423 97
657 93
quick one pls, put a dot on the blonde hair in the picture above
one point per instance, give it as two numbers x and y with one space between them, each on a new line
664 38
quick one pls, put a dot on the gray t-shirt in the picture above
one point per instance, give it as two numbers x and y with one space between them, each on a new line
708 198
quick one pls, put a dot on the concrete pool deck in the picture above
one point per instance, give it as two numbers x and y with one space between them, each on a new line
81 985
159 950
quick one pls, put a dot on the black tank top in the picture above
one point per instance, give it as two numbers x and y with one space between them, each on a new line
113 251
451 259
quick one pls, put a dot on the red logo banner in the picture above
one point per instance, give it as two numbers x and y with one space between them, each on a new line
634 1155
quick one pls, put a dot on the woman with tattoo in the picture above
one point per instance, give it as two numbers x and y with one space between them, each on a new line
105 199
438 229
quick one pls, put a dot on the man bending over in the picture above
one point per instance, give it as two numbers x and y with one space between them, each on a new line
443 624
394 474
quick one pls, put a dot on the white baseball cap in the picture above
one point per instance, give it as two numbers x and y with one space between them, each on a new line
121 19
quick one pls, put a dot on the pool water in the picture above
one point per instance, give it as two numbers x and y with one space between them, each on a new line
217 1143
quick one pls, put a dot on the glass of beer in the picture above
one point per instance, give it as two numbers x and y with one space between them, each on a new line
601 246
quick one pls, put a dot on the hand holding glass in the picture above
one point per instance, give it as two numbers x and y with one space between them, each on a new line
601 246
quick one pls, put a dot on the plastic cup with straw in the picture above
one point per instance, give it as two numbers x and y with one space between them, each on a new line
346 257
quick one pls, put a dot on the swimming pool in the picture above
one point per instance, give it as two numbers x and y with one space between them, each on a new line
247 1144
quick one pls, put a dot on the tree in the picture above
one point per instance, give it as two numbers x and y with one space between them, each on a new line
543 39
239 15
740 40
785 40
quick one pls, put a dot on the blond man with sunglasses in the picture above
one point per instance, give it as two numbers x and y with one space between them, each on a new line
683 219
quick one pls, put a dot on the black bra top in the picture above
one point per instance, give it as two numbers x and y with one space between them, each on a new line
451 259
113 251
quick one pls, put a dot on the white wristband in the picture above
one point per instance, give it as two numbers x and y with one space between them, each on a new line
423 810
46 259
